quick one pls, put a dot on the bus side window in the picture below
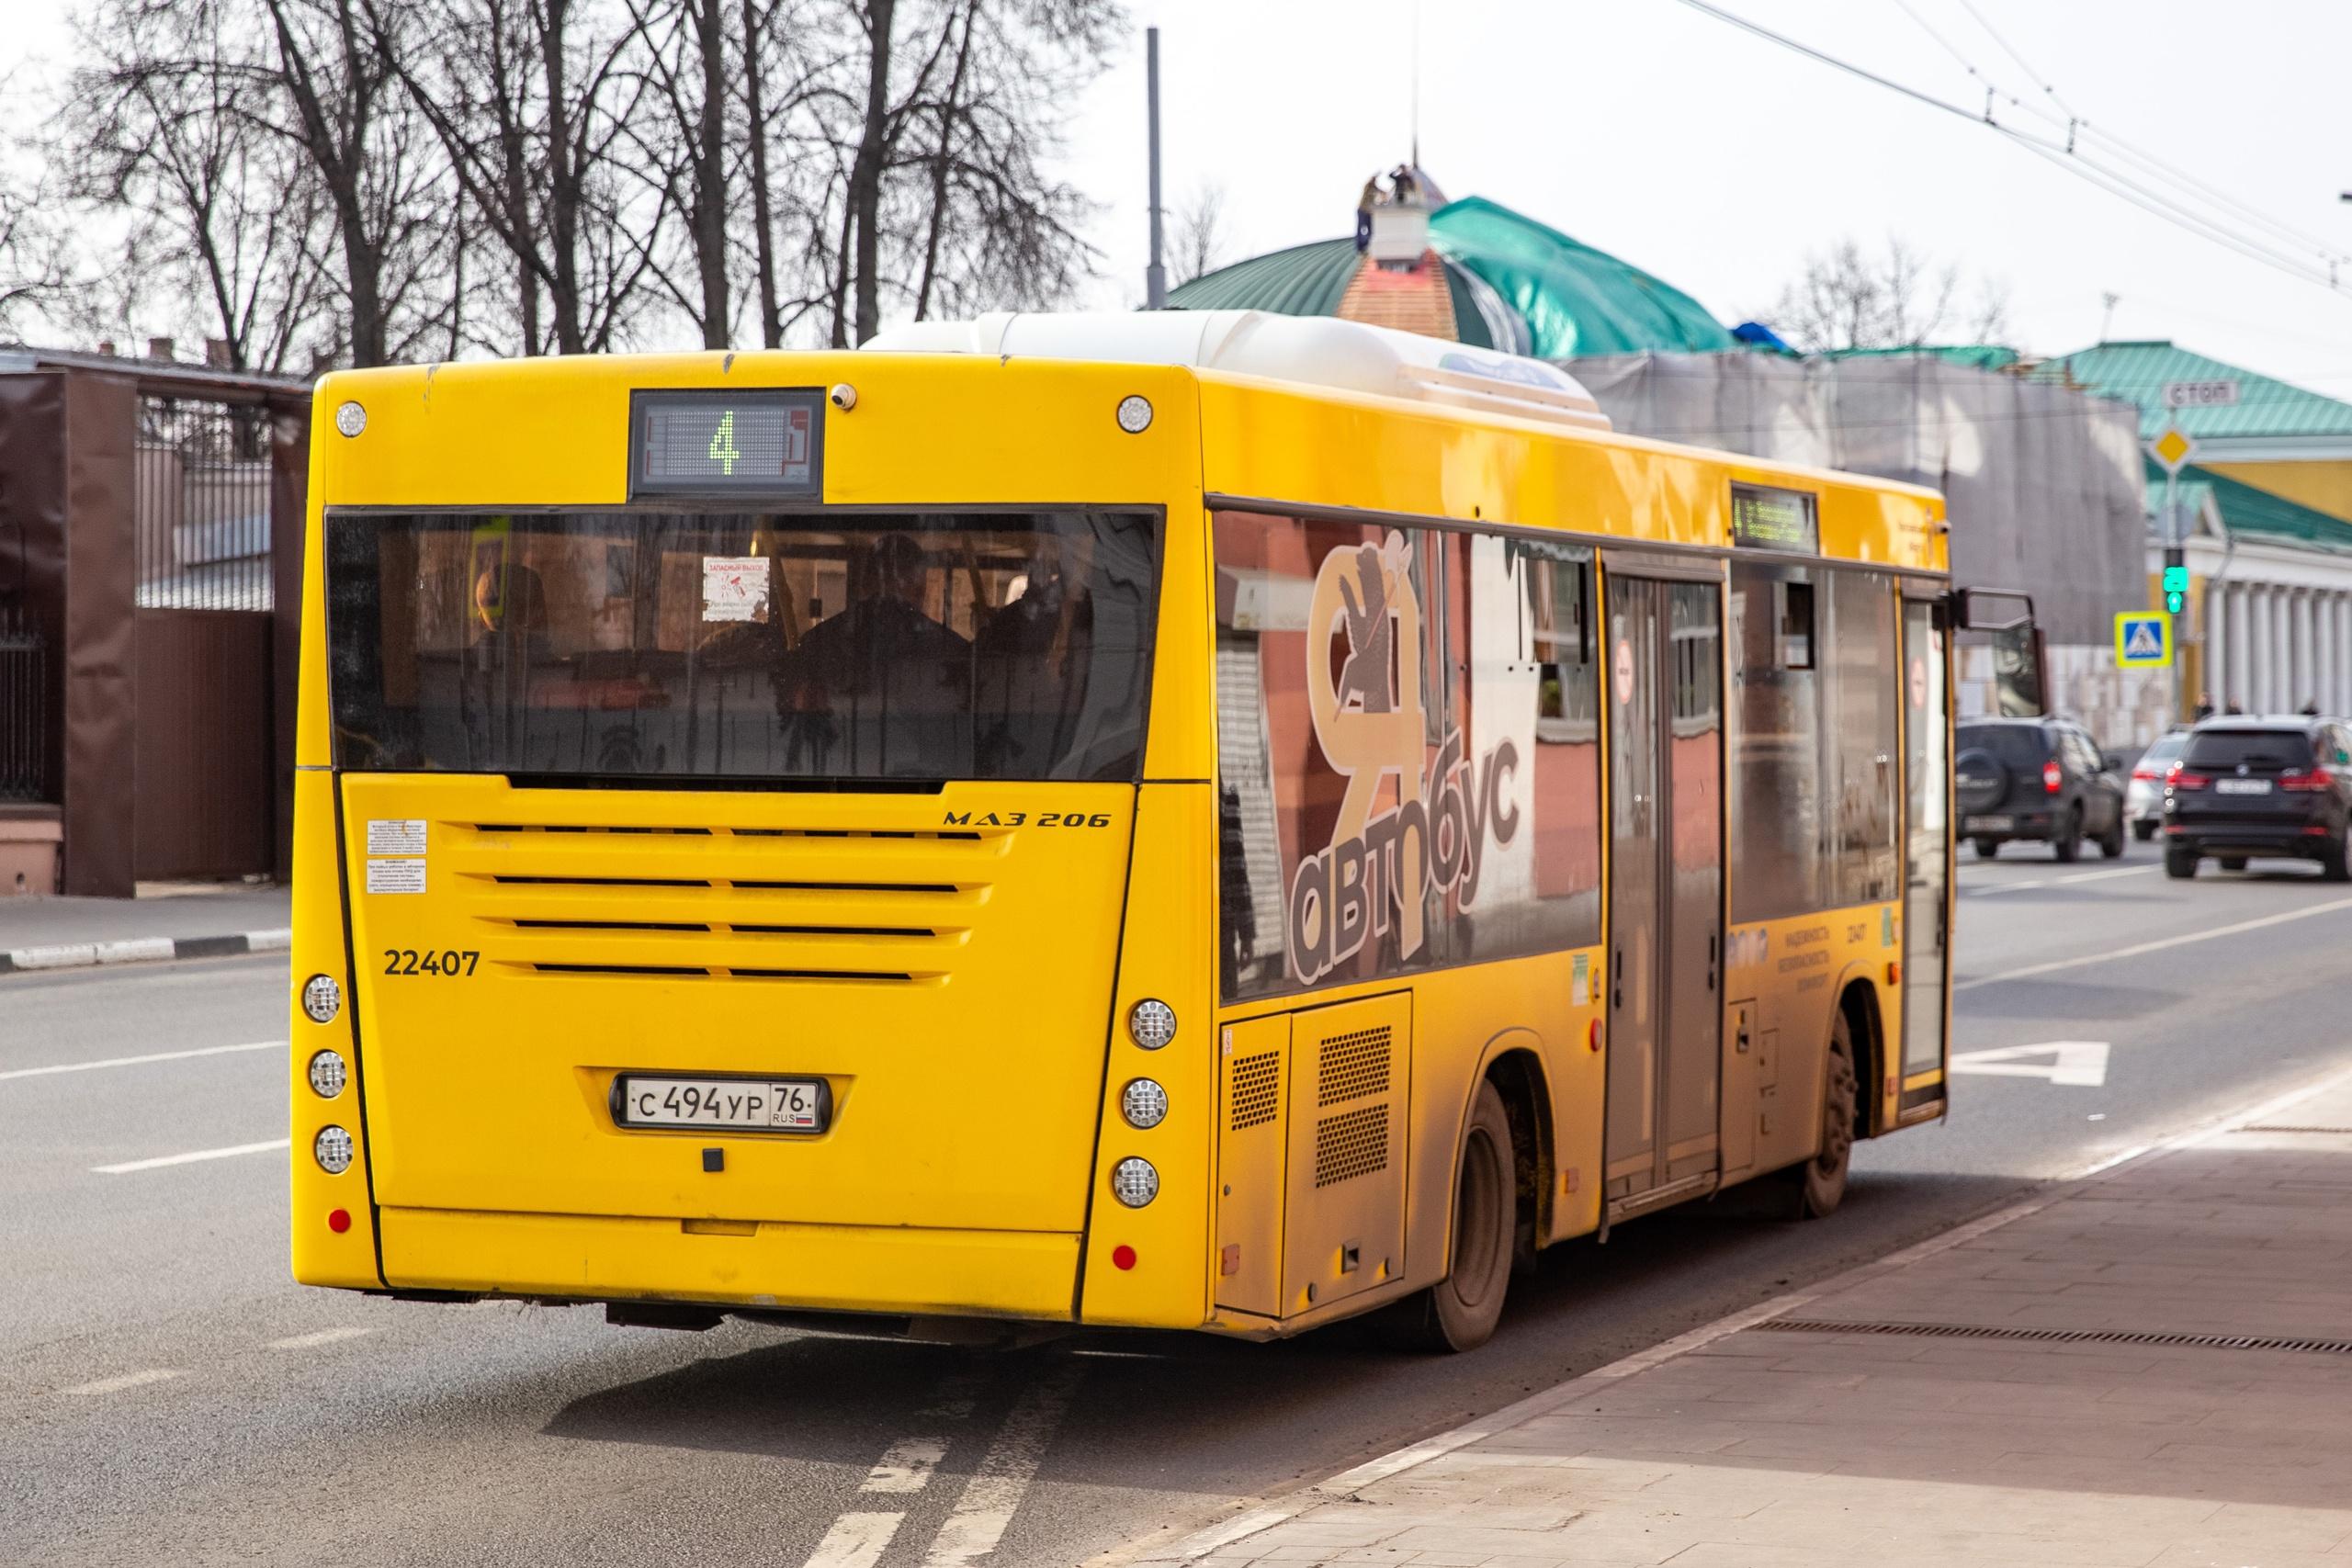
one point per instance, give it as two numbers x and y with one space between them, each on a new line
1775 809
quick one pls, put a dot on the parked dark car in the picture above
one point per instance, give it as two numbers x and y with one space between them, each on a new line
2268 787
2042 779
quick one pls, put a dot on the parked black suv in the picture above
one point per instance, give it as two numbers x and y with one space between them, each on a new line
2260 787
2042 779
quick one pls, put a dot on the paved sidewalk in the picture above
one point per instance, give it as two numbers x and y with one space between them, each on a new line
166 920
2083 1383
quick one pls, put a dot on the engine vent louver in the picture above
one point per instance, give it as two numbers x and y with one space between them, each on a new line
1352 1066
1256 1097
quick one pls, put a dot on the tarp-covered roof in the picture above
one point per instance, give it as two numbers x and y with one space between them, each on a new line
1975 356
2137 372
1571 298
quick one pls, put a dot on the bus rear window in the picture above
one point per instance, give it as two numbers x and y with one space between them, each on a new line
705 644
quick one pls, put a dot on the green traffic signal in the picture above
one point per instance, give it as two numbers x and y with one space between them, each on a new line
2176 601
2175 580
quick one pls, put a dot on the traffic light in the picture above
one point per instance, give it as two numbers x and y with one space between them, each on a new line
2175 581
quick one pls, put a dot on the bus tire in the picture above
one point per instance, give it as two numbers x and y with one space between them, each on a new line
1458 1312
1818 1185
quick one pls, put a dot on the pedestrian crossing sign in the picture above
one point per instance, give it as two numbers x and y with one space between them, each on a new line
2143 640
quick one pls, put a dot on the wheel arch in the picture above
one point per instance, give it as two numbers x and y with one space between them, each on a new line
1858 999
1513 1062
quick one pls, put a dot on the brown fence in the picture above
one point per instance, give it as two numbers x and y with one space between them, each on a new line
151 526
200 511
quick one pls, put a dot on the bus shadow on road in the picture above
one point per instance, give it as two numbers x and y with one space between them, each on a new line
1194 1413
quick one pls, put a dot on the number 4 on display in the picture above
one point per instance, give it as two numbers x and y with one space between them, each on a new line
722 444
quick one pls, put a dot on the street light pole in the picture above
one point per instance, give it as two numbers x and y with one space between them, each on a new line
1154 275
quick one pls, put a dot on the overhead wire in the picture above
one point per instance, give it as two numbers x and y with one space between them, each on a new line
2321 267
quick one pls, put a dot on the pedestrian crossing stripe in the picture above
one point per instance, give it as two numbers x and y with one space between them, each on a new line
2143 640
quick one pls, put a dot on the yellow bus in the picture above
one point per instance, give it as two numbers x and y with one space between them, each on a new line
1209 821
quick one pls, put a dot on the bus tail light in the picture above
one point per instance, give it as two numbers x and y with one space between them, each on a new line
333 1149
1134 1182
1151 1024
2053 778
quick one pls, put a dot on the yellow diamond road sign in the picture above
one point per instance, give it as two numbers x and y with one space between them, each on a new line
2172 448
2142 639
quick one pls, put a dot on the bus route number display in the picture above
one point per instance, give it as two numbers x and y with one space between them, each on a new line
764 442
1775 519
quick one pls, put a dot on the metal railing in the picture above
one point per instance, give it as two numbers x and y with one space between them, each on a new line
24 709
200 504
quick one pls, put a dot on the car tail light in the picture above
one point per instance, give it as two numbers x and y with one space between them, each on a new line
2179 777
2306 783
2052 779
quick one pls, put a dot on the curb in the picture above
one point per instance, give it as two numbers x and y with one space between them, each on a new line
142 950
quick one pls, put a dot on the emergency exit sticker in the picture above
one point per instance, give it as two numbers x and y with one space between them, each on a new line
395 876
1580 981
396 835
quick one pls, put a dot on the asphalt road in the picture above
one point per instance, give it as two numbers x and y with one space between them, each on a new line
167 1396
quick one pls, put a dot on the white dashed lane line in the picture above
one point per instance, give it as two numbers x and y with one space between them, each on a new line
140 1061
856 1540
995 1491
907 1466
127 1166
323 1336
128 1379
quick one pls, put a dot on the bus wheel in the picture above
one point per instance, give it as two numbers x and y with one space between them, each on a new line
1458 1312
1820 1182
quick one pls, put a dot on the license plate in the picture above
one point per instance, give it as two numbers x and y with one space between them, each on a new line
1990 824
730 1105
2242 786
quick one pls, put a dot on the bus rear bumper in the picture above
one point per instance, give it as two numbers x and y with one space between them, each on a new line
861 1268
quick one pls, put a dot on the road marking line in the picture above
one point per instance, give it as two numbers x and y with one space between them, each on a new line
906 1466
2160 945
161 1160
2056 881
990 1498
139 1061
323 1336
856 1540
128 1379
2081 1062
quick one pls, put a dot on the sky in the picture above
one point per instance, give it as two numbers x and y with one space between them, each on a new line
1720 162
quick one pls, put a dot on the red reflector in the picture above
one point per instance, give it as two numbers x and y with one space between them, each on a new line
338 1220
2052 780
1123 1257
1893 972
1592 1035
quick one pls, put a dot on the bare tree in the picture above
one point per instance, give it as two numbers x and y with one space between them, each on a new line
532 101
163 124
1850 298
337 98
39 277
1196 235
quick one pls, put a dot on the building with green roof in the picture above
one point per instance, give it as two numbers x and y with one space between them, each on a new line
1494 279
2265 517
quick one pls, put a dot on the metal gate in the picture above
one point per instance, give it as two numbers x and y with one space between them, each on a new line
203 747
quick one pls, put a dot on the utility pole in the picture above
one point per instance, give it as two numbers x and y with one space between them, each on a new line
1154 275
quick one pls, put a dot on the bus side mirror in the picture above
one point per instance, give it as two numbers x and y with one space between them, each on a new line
2020 677
1992 609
